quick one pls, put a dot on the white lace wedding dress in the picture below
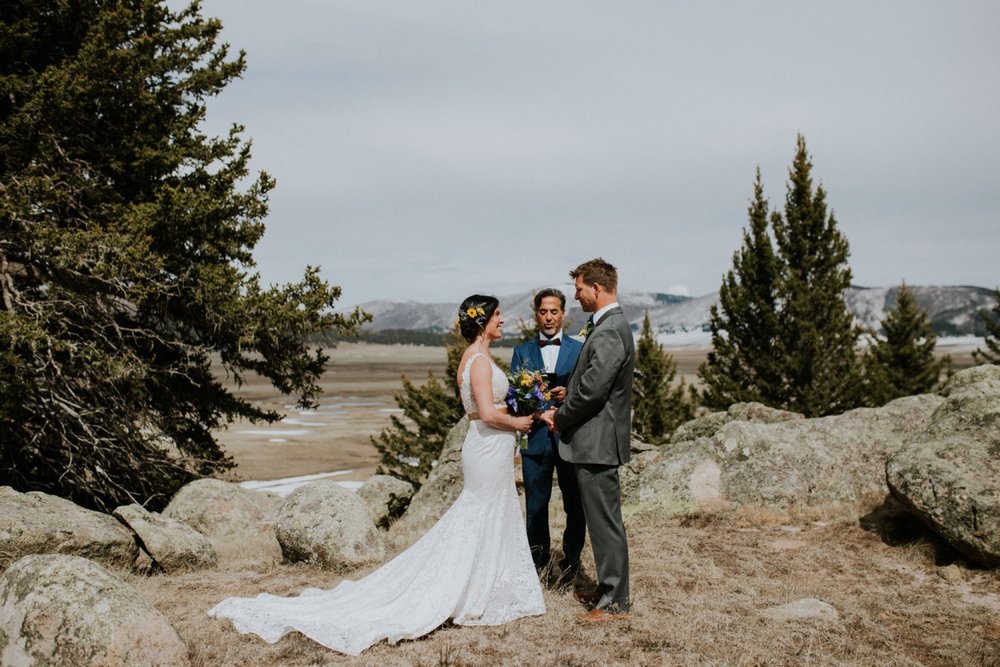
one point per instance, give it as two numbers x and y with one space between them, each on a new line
473 566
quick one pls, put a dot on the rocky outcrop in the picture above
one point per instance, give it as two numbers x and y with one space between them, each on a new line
239 522
67 610
386 498
37 523
949 476
325 523
173 545
438 493
795 462
709 425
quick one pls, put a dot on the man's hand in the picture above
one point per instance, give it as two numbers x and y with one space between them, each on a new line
558 394
549 419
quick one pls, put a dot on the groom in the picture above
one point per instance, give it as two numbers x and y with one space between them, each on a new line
594 424
555 355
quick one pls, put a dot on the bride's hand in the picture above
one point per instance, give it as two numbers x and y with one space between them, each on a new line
523 424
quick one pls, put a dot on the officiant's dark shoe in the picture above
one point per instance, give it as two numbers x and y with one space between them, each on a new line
601 616
590 599
567 575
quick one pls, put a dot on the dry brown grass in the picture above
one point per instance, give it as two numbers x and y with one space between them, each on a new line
698 586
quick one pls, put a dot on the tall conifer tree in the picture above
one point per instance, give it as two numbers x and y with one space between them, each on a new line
782 333
991 355
126 265
744 363
660 406
818 334
901 362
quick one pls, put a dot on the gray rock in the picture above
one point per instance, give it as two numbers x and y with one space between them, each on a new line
802 610
796 462
37 523
709 425
239 522
67 610
386 497
949 476
438 493
324 523
172 544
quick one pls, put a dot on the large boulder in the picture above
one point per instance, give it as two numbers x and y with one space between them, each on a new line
173 545
324 523
709 425
386 497
949 476
67 610
798 462
37 523
438 493
239 522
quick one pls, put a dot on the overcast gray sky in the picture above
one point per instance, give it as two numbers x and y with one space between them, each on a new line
428 150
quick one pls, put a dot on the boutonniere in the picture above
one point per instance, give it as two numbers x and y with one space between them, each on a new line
584 332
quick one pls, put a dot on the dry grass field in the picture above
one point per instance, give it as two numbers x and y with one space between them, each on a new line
699 584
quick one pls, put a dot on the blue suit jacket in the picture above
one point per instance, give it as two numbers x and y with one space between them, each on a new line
529 355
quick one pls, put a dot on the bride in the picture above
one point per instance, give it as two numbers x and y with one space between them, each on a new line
472 567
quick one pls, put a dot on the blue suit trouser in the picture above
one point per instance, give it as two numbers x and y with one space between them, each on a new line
537 472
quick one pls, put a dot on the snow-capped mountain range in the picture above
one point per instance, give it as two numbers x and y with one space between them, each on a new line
953 310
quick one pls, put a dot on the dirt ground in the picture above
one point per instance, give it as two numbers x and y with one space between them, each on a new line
701 591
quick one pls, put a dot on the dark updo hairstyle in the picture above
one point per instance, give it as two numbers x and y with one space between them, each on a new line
474 313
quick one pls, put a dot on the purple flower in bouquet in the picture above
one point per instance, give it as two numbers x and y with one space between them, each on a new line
528 394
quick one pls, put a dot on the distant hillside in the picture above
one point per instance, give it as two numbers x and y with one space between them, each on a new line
953 310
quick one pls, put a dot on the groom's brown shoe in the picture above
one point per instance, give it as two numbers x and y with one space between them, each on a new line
590 599
601 616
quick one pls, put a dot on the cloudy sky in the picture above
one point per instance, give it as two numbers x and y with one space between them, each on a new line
428 150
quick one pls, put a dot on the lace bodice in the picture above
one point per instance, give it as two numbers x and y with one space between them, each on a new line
500 385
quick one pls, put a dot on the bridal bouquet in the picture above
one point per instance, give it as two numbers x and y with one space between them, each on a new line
527 395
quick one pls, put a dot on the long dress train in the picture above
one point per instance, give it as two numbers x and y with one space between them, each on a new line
473 566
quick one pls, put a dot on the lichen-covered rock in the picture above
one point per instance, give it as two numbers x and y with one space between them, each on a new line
67 610
324 523
806 609
37 523
386 497
709 425
172 544
796 462
949 476
239 522
438 493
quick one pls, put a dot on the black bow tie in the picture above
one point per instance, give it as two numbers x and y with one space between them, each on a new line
542 342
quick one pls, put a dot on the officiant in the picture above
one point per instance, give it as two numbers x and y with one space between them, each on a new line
554 354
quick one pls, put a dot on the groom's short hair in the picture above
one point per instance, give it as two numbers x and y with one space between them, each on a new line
550 291
597 272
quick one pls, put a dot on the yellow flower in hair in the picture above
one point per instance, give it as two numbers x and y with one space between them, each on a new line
481 312
471 312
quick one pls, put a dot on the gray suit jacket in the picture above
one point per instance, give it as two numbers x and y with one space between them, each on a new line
596 419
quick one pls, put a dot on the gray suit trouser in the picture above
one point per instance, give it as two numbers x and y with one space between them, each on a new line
600 493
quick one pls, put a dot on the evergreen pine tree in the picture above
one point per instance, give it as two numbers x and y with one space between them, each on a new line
126 265
818 335
744 363
433 408
902 362
991 355
659 406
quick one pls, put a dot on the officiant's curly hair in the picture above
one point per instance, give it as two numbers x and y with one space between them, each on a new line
482 307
